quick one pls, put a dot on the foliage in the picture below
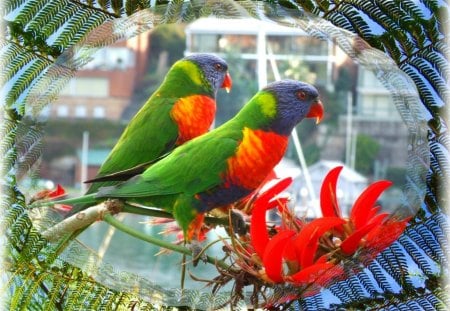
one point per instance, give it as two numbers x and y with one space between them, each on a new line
170 38
366 152
244 87
45 42
63 137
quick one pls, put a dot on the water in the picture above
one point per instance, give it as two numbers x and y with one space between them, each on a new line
127 253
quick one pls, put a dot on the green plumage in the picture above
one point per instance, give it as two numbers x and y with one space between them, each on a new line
197 176
153 131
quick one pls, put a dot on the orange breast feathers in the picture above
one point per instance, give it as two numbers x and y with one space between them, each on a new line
255 158
193 115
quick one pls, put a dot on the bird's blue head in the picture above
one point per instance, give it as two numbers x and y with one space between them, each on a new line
295 101
214 69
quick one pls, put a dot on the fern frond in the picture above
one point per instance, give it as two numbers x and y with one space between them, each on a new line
75 28
46 15
9 53
417 255
9 6
380 277
29 11
21 60
25 79
29 146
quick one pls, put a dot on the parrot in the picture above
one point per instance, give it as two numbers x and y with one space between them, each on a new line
224 165
182 108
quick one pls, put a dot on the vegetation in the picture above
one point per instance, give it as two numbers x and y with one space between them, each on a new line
366 153
45 42
63 137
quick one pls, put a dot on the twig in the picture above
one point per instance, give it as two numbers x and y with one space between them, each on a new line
133 209
76 222
108 237
173 247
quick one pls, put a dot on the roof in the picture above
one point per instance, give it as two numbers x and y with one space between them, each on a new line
240 26
347 173
96 157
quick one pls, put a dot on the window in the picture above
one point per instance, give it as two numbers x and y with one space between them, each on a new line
62 111
80 111
287 45
99 112
205 42
92 87
112 58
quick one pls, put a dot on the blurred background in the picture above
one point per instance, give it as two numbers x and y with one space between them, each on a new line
361 130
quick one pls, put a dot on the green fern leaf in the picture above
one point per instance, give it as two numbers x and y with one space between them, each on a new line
29 11
21 60
46 15
58 20
9 55
10 5
117 6
27 76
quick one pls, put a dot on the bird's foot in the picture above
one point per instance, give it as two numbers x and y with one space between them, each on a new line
114 206
238 224
198 252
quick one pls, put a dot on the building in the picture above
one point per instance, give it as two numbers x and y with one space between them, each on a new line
103 88
373 113
262 44
95 159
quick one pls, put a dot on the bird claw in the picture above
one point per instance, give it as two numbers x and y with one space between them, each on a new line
114 206
238 223
197 252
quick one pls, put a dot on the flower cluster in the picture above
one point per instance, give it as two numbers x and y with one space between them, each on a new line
301 253
57 193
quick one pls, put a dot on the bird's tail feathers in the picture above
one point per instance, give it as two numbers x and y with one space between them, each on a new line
85 200
105 191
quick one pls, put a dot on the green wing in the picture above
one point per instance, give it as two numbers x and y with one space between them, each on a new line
191 168
154 117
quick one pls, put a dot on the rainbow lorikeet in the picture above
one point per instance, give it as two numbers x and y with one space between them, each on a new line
224 165
183 107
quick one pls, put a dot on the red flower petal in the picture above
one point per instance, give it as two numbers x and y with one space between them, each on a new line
382 237
273 255
350 244
275 189
310 274
63 207
58 192
360 211
372 212
328 197
310 234
290 253
259 236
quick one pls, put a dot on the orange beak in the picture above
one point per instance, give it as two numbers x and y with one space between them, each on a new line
227 83
316 111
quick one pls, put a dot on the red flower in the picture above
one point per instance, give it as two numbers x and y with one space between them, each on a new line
311 254
46 194
364 228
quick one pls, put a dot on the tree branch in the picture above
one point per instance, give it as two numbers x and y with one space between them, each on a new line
167 245
104 212
76 222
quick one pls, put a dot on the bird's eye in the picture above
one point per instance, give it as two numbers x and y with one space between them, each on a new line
301 95
218 67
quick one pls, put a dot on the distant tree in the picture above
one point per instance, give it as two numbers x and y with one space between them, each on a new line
169 39
244 87
366 152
